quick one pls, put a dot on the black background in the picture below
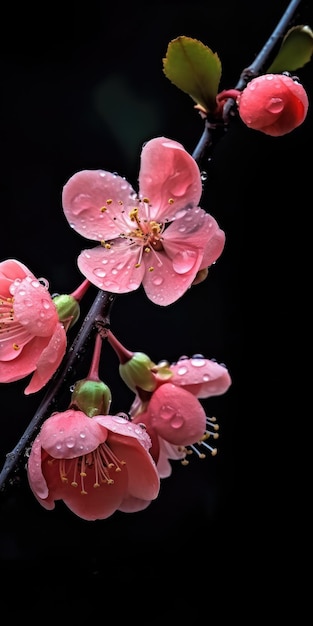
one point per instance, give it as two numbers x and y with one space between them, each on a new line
83 88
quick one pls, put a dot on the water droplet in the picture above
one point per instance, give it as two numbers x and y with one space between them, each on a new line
197 362
70 442
99 272
28 302
35 284
204 176
184 261
82 435
167 412
206 378
182 370
275 105
158 280
58 446
177 421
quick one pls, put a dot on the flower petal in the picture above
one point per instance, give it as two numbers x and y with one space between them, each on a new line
36 478
168 172
49 360
25 362
164 285
70 434
11 269
34 308
112 269
86 193
143 478
177 415
201 377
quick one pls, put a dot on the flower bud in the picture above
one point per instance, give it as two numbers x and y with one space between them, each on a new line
93 397
274 104
137 372
68 309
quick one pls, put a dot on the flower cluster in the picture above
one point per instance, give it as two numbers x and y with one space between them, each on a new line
160 239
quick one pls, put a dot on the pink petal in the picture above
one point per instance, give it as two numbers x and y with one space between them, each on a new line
168 171
34 308
36 478
118 425
12 269
112 269
25 361
143 478
164 285
70 434
49 360
86 193
177 415
133 505
95 502
201 377
168 451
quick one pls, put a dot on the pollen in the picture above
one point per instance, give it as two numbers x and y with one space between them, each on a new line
16 346
103 209
171 201
109 201
151 268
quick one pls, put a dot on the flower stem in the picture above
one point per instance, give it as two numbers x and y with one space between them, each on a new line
100 307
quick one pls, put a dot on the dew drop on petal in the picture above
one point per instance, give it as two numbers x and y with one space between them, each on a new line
275 105
158 280
98 271
184 261
70 442
197 362
167 412
182 370
177 421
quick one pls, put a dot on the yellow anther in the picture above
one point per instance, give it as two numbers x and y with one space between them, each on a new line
83 474
133 214
137 265
74 484
147 249
109 201
16 346
170 201
120 202
146 200
151 269
103 209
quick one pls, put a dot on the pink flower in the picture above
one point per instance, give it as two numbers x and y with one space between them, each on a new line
32 338
160 238
275 104
173 415
95 465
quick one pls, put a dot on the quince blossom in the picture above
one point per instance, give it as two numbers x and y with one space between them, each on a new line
166 400
96 465
32 338
159 238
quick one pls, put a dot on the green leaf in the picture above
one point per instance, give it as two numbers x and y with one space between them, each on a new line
296 50
195 69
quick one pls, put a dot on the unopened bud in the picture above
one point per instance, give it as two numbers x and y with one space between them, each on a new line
68 309
93 397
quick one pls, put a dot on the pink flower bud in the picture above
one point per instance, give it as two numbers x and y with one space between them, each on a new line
273 103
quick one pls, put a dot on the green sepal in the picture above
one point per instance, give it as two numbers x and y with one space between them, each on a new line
68 309
137 372
296 50
93 397
195 69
